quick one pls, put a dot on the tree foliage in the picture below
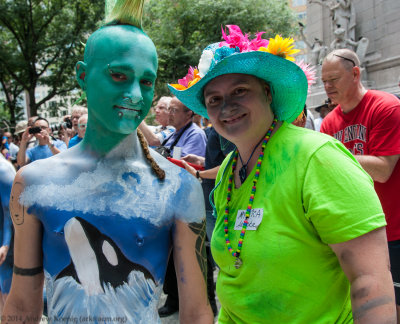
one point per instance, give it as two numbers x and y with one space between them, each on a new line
41 42
181 29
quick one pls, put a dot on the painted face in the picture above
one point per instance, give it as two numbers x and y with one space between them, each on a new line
119 78
238 106
178 114
339 83
162 113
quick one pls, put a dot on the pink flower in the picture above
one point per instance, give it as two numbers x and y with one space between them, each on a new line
309 71
189 77
258 42
235 38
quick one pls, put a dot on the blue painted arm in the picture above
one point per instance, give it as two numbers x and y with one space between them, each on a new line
7 174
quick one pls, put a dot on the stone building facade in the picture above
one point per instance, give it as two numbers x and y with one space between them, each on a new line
376 20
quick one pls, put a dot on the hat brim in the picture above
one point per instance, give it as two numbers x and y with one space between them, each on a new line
287 81
318 109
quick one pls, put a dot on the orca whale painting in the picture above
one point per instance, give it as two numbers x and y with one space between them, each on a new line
98 276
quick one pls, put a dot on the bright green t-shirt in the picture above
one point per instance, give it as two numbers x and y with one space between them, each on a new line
311 192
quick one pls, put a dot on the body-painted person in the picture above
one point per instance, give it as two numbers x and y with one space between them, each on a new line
7 174
300 233
98 221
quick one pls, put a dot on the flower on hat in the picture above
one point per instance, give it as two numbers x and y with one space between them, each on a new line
309 71
234 43
235 38
258 42
282 47
205 62
190 79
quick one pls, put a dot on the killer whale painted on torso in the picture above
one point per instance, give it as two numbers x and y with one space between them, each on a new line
134 213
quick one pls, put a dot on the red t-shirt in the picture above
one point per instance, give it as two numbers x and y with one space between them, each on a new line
373 128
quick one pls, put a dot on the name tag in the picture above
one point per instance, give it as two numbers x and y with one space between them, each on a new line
254 220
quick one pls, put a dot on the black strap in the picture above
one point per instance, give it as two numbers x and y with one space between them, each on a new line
177 138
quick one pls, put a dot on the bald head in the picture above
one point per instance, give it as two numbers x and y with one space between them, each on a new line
344 56
105 42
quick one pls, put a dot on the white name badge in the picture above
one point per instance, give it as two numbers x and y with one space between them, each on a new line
255 219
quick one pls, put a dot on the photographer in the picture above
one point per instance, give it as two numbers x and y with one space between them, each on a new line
77 113
47 146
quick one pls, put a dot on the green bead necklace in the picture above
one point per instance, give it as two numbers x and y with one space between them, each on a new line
236 254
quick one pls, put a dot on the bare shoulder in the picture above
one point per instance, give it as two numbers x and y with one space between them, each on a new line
55 169
7 171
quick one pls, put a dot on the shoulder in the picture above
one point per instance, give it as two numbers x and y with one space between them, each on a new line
174 172
376 99
194 129
7 171
306 139
49 170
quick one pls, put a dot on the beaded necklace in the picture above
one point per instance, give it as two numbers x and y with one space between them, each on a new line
236 254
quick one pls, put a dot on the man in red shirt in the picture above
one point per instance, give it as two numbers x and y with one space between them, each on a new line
367 122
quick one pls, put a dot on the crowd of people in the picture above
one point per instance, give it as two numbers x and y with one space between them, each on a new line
35 139
303 225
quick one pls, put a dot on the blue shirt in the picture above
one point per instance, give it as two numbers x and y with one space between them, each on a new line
43 151
74 140
192 141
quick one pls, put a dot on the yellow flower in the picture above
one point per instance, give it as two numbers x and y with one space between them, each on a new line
178 86
282 47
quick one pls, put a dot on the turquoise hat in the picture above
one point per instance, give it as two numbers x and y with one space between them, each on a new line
238 54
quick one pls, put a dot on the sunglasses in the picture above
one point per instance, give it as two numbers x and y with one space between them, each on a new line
345 58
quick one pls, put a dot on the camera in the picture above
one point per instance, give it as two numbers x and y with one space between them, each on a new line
34 130
66 124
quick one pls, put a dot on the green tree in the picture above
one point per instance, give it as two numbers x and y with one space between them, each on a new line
41 42
181 29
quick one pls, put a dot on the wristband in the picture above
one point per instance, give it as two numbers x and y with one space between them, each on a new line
198 175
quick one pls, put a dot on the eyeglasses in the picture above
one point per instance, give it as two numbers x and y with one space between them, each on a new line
82 126
174 110
177 110
347 59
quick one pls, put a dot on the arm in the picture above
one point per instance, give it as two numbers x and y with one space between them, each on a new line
21 156
205 174
66 134
365 261
195 159
26 294
151 138
7 175
191 269
303 37
380 168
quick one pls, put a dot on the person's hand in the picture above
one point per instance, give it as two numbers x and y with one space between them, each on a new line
66 133
189 168
44 135
3 253
194 159
26 137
